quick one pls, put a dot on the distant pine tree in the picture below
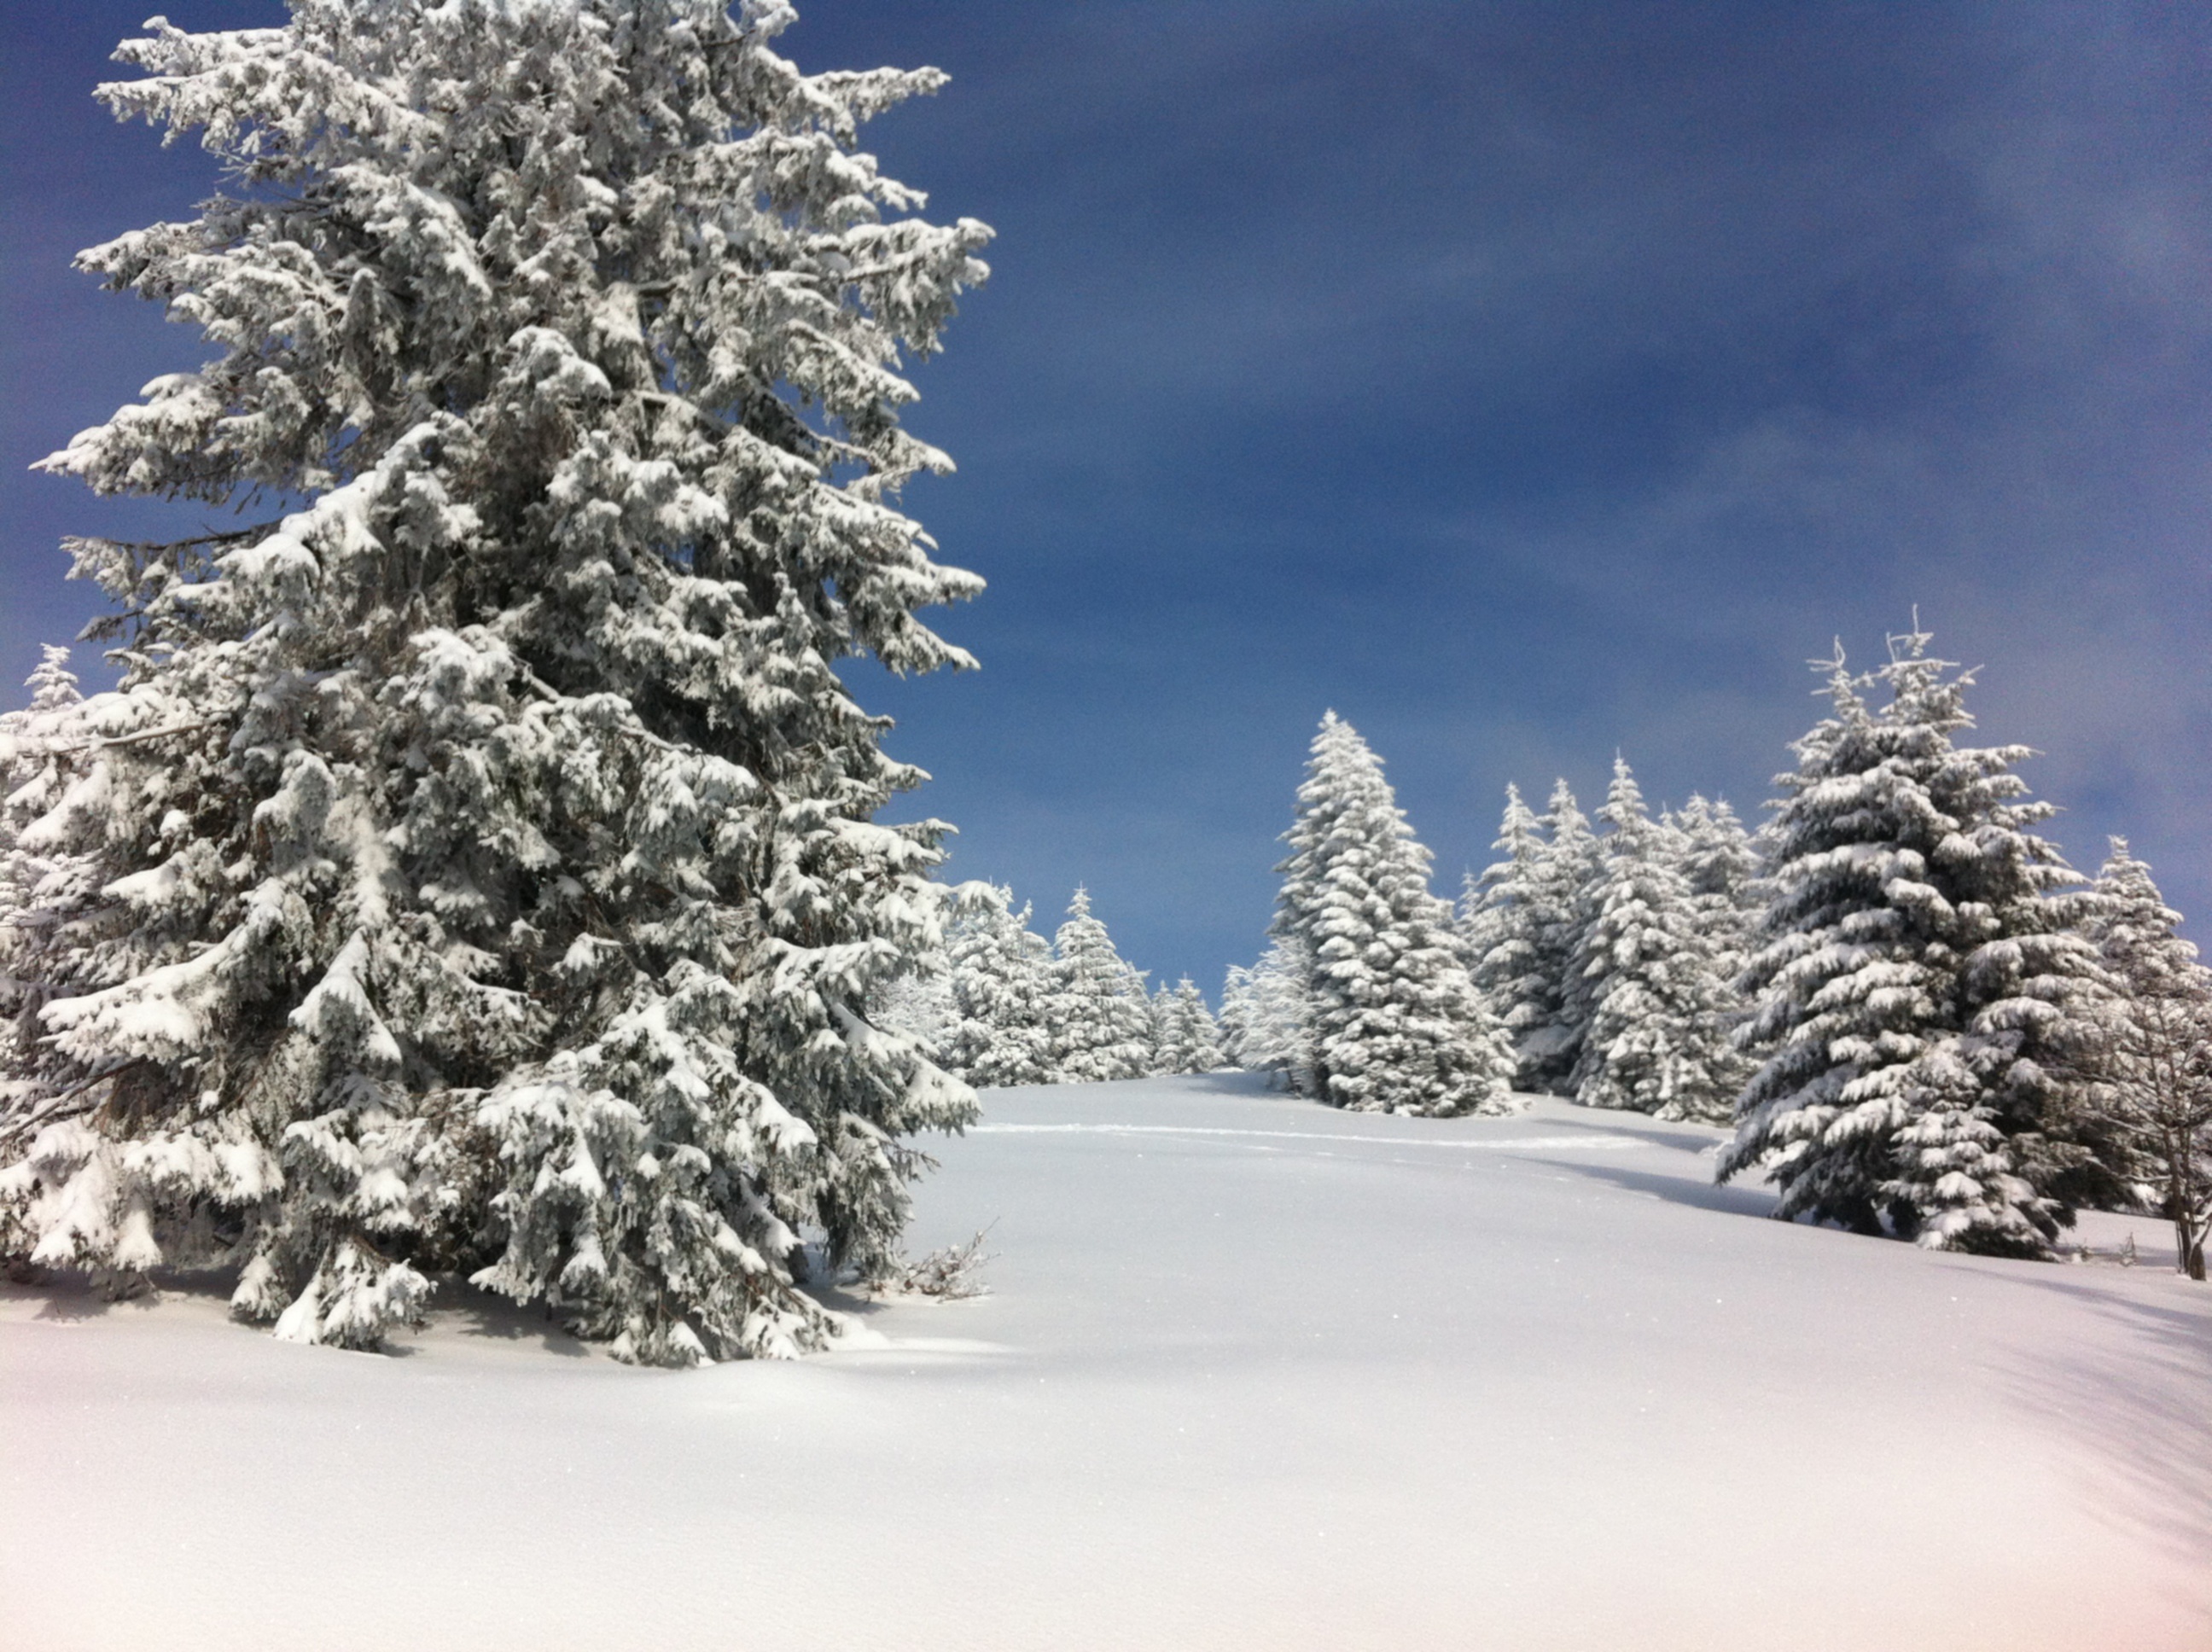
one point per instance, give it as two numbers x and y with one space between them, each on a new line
1562 886
2157 1059
1720 862
1162 1007
1925 1000
1658 1039
1503 937
1190 1041
50 796
1266 1023
1396 1025
920 1007
1100 1020
1001 981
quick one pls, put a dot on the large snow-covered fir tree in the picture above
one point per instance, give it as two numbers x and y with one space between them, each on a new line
1661 1015
1002 980
2157 1062
1395 1024
1927 1007
1099 1019
489 878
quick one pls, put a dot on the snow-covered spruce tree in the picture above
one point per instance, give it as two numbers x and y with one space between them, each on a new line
1236 998
1504 933
1161 1010
489 880
1201 1029
46 893
1189 1039
1560 886
1099 1019
1574 864
1721 861
1001 979
920 1007
1926 1003
2157 1060
1395 1024
1661 1014
1265 1023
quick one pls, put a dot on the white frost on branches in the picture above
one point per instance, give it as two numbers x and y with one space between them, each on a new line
1100 1021
1927 1008
1394 1023
485 878
1658 1038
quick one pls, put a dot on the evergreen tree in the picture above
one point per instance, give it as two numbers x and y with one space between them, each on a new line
1661 1015
1504 935
1925 1002
921 1006
45 894
1162 1009
1266 1023
1001 981
1190 1039
1201 1030
1100 1021
2157 1062
1561 887
1721 864
489 880
1395 1024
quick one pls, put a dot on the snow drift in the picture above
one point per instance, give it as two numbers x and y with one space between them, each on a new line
1255 1373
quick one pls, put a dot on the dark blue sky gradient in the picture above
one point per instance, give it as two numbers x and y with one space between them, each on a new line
1523 381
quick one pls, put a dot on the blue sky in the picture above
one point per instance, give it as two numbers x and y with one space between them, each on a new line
1525 382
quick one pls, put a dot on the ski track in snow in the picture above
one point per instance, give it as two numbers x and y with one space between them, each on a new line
1503 1144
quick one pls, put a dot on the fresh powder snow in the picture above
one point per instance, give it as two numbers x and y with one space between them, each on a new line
1254 1373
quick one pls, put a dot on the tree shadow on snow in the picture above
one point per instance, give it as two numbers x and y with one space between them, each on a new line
2146 1419
843 1299
1682 1139
1231 1081
482 1313
1701 1194
71 1295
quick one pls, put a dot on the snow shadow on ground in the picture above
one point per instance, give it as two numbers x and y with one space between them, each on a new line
2141 1418
68 1297
1228 1082
1700 1192
485 1314
1682 1139
1233 1082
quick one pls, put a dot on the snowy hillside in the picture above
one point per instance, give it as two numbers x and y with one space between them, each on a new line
1255 1374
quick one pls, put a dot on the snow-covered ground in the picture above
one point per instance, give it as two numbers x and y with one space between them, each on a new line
1255 1374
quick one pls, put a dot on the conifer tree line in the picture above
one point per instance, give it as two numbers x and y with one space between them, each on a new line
1919 1020
998 1004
